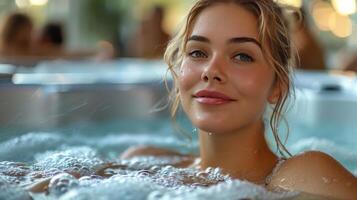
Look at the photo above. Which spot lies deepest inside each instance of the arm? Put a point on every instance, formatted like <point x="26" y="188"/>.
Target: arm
<point x="316" y="173"/>
<point x="186" y="161"/>
<point x="148" y="151"/>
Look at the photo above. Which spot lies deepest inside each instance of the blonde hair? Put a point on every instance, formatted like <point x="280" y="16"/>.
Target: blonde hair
<point x="275" y="39"/>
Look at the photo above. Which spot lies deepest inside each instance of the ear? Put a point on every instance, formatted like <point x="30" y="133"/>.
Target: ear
<point x="275" y="92"/>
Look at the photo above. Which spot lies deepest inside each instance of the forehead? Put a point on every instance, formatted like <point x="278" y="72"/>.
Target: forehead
<point x="226" y="20"/>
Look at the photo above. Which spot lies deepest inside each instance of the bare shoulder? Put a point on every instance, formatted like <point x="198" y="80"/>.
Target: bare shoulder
<point x="316" y="173"/>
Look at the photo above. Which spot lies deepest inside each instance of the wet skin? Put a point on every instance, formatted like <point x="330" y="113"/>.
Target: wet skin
<point x="225" y="85"/>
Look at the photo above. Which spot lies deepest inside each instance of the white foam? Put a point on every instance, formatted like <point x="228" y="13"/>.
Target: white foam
<point x="23" y="148"/>
<point x="41" y="155"/>
<point x="81" y="160"/>
<point x="169" y="186"/>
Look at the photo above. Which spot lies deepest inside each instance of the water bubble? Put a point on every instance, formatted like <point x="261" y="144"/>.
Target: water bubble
<point x="155" y="168"/>
<point x="195" y="185"/>
<point x="144" y="173"/>
<point x="90" y="180"/>
<point x="35" y="175"/>
<point x="156" y="180"/>
<point x="155" y="195"/>
<point x="81" y="160"/>
<point x="95" y="177"/>
<point x="61" y="183"/>
<point x="109" y="172"/>
<point x="85" y="178"/>
<point x="208" y="170"/>
<point x="142" y="178"/>
<point x="202" y="174"/>
<point x="15" y="169"/>
<point x="167" y="169"/>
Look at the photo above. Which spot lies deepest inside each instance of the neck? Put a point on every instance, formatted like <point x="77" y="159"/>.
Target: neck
<point x="243" y="154"/>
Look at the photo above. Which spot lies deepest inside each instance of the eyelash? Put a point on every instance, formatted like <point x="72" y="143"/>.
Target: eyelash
<point x="250" y="59"/>
<point x="203" y="55"/>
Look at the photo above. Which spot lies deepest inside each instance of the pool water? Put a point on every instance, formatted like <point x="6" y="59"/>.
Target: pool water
<point x="83" y="150"/>
<point x="75" y="133"/>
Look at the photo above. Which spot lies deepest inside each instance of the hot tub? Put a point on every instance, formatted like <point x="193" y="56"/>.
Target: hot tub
<point x="74" y="116"/>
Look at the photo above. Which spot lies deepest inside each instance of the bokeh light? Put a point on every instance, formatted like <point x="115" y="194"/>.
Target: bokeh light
<point x="22" y="3"/>
<point x="340" y="25"/>
<point x="38" y="2"/>
<point x="294" y="3"/>
<point x="344" y="7"/>
<point x="328" y="19"/>
<point x="321" y="13"/>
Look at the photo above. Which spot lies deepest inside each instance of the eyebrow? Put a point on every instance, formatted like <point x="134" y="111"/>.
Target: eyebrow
<point x="232" y="40"/>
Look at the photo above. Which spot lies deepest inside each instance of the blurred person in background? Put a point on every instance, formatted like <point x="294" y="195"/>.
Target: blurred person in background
<point x="51" y="44"/>
<point x="16" y="36"/>
<point x="51" y="39"/>
<point x="150" y="39"/>
<point x="19" y="47"/>
<point x="310" y="52"/>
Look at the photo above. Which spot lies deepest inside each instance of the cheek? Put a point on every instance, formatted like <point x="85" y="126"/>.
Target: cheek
<point x="188" y="77"/>
<point x="255" y="85"/>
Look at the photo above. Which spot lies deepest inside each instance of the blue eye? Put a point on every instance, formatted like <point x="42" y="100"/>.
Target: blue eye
<point x="243" y="57"/>
<point x="197" y="54"/>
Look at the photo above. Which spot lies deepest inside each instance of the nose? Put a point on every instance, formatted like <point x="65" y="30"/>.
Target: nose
<point x="214" y="70"/>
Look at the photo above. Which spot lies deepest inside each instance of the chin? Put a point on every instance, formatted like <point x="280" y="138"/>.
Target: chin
<point x="213" y="126"/>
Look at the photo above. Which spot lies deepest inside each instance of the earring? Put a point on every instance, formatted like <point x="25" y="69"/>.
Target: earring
<point x="194" y="130"/>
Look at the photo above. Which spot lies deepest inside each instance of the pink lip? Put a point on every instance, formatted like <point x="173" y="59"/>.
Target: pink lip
<point x="212" y="97"/>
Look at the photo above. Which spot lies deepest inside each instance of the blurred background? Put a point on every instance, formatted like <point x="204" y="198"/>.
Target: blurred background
<point x="96" y="62"/>
<point x="141" y="28"/>
<point x="90" y="26"/>
<point x="87" y="75"/>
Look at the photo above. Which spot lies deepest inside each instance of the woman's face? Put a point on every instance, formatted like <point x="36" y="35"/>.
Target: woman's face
<point x="225" y="81"/>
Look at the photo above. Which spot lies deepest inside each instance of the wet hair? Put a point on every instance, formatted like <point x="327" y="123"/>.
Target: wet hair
<point x="277" y="49"/>
<point x="12" y="25"/>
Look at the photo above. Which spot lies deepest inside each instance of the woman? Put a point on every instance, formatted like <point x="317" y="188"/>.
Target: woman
<point x="16" y="36"/>
<point x="17" y="45"/>
<point x="229" y="62"/>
